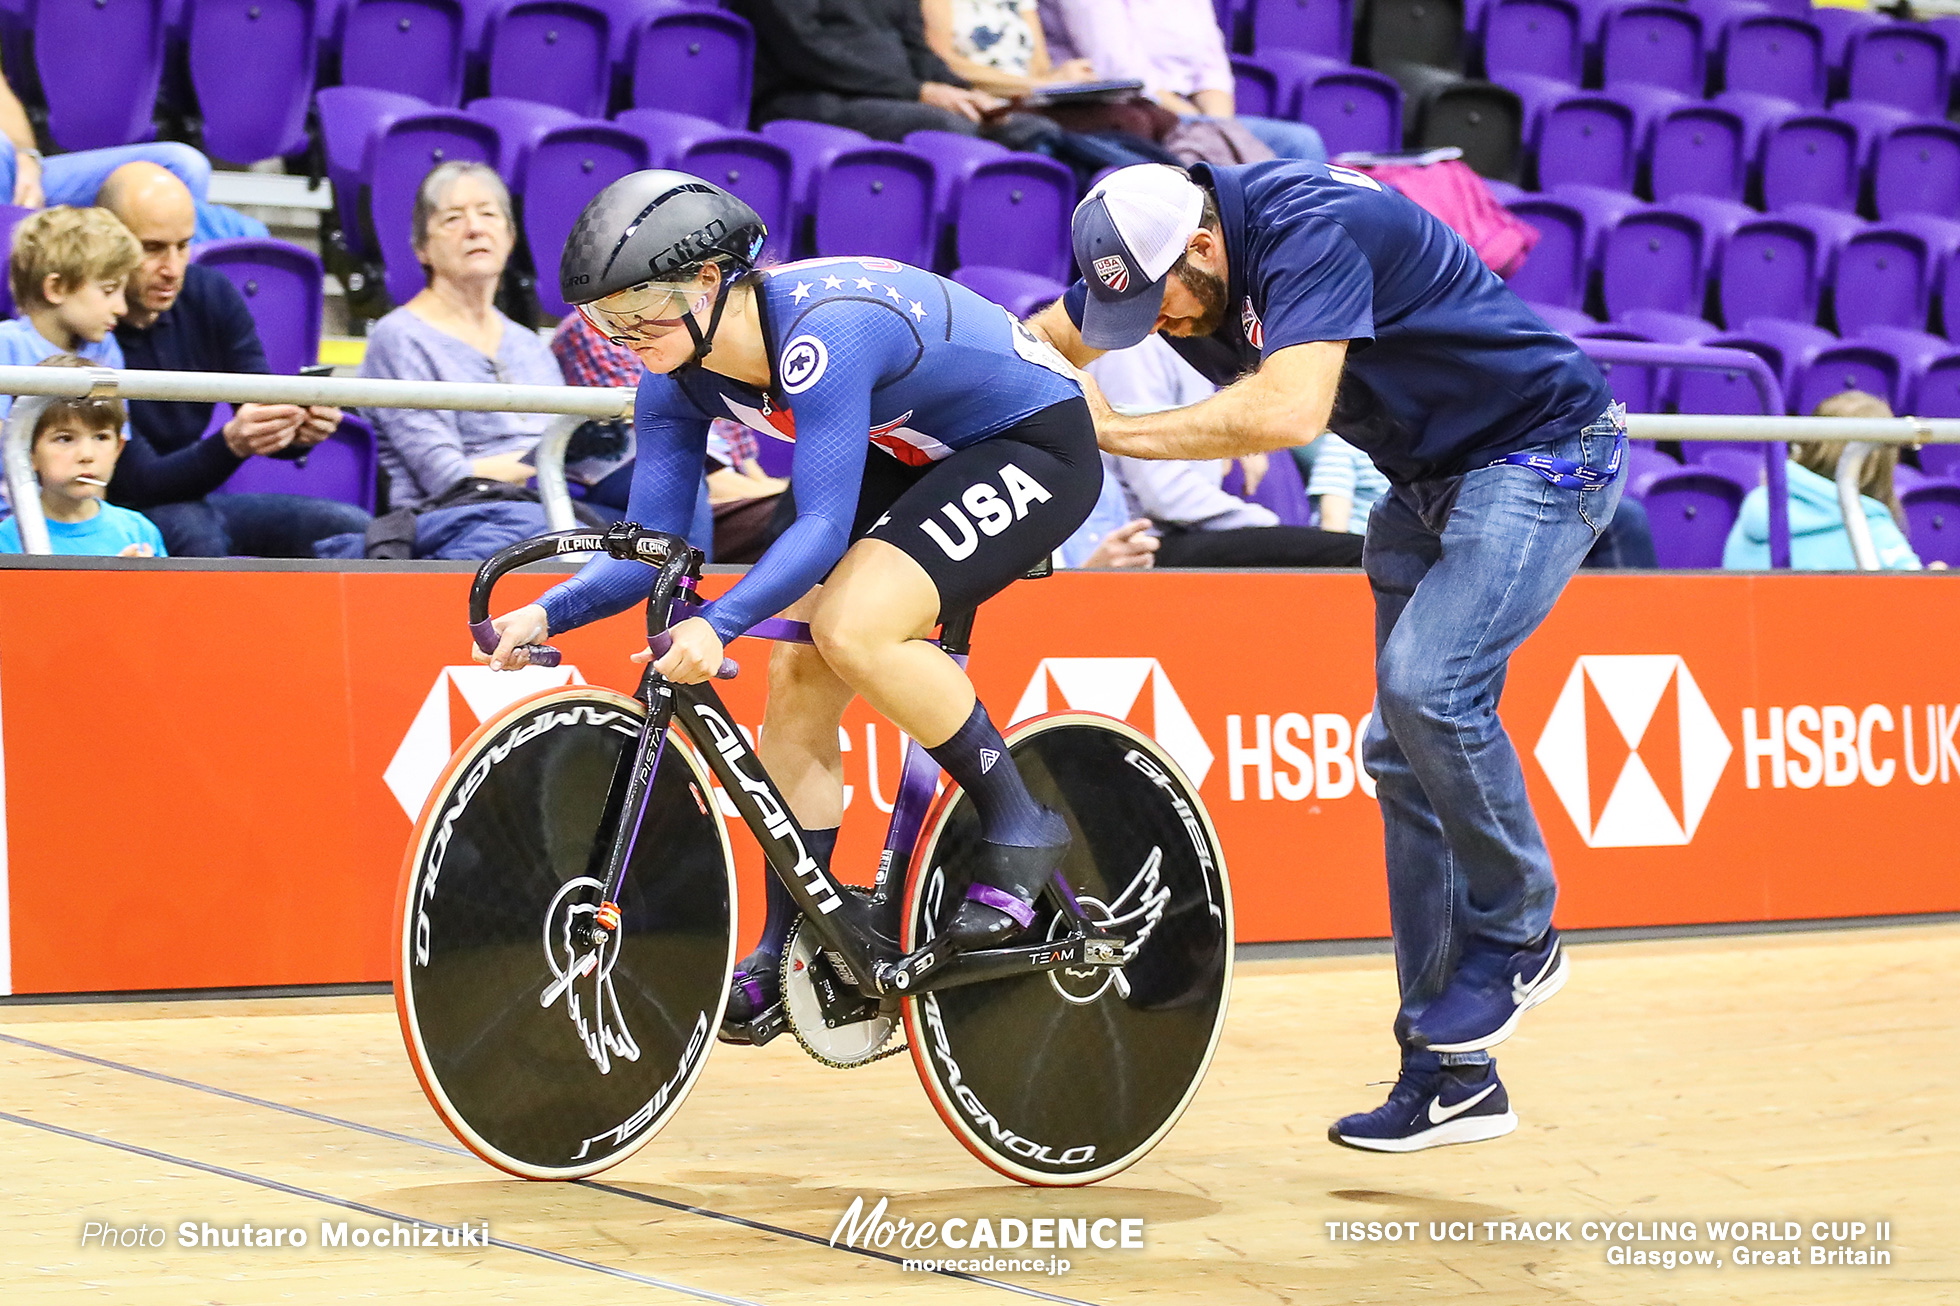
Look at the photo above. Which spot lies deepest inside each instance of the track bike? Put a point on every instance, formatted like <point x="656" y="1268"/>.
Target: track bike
<point x="566" y="923"/>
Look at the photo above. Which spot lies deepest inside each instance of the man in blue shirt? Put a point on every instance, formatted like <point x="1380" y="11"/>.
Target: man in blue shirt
<point x="1320" y="299"/>
<point x="186" y="318"/>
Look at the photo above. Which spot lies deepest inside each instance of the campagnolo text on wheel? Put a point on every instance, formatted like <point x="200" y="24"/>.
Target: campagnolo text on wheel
<point x="1054" y="934"/>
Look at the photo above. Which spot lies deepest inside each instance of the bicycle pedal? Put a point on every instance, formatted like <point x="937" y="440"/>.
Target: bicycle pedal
<point x="758" y="1031"/>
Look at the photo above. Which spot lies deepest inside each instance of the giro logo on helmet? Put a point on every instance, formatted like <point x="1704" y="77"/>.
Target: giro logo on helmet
<point x="803" y="364"/>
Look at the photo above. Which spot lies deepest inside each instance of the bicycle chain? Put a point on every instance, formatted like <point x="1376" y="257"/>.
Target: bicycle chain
<point x="782" y="980"/>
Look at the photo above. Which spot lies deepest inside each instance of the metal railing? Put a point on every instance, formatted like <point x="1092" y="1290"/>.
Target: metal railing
<point x="36" y="385"/>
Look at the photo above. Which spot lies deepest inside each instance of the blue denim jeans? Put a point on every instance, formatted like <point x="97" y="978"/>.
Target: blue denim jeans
<point x="1463" y="569"/>
<point x="252" y="525"/>
<point x="1289" y="140"/>
<point x="75" y="178"/>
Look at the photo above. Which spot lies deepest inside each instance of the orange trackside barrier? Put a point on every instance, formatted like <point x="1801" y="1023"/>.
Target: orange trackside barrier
<point x="209" y="774"/>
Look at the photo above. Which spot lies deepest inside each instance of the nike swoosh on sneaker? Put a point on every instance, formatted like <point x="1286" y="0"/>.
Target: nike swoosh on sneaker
<point x="1520" y="991"/>
<point x="1439" y="1114"/>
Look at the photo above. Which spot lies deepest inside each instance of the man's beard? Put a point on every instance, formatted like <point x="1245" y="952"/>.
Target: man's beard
<point x="1209" y="292"/>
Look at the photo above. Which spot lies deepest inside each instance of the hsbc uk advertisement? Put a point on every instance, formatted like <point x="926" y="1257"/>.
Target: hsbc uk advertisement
<point x="1698" y="748"/>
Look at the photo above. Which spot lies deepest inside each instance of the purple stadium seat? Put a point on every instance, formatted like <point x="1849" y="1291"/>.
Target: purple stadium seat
<point x="107" y="97"/>
<point x="1256" y="87"/>
<point x="1014" y="212"/>
<point x="1645" y="464"/>
<point x="411" y="46"/>
<point x="877" y="200"/>
<point x="1700" y="149"/>
<point x="403" y="156"/>
<point x="812" y="145"/>
<point x="1874" y="122"/>
<point x="1667" y="328"/>
<point x="1655" y="44"/>
<point x="1933" y="520"/>
<point x="1322" y="27"/>
<point x="569" y="165"/>
<point x="1586" y="138"/>
<point x="1920" y="356"/>
<point x="1948" y="26"/>
<point x="1772" y="55"/>
<point x="520" y="125"/>
<point x="1741" y="462"/>
<point x="754" y="168"/>
<point x="1884" y="277"/>
<point x="698" y="61"/>
<point x="1718" y="14"/>
<point x="1838" y="26"/>
<point x="1636" y="385"/>
<point x="954" y="157"/>
<point x="340" y="467"/>
<point x="668" y="134"/>
<point x="1504" y="192"/>
<point x="1905" y="477"/>
<point x="1351" y="108"/>
<point x="1655" y="258"/>
<point x="1540" y="38"/>
<point x="1916" y="169"/>
<point x="251" y="63"/>
<point x="1020" y="293"/>
<point x="1719" y="219"/>
<point x="1565" y="321"/>
<point x="1903" y="64"/>
<point x="1723" y="392"/>
<point x="1811" y="159"/>
<point x="1852" y="365"/>
<point x="352" y="119"/>
<point x="10" y="216"/>
<point x="552" y="51"/>
<point x="1788" y="347"/>
<point x="1555" y="273"/>
<point x="1758" y="114"/>
<point x="283" y="286"/>
<point x="1692" y="512"/>
<point x="1773" y="267"/>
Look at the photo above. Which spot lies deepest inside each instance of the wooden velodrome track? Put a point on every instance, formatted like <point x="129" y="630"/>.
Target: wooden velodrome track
<point x="1803" y="1076"/>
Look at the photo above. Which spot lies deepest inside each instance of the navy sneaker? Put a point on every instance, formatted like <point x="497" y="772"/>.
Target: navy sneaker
<point x="1429" y="1108"/>
<point x="1492" y="987"/>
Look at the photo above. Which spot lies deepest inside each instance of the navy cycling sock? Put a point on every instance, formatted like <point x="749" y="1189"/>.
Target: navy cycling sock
<point x="976" y="757"/>
<point x="781" y="907"/>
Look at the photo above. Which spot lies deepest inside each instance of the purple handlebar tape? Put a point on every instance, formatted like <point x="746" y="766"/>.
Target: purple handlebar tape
<point x="541" y="655"/>
<point x="988" y="896"/>
<point x="660" y="643"/>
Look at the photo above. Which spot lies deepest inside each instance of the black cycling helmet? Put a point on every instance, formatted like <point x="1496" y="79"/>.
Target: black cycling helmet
<point x="647" y="233"/>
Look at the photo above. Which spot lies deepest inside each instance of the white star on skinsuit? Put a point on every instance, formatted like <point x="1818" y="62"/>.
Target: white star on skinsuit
<point x="918" y="310"/>
<point x="863" y="284"/>
<point x="831" y="283"/>
<point x="801" y="293"/>
<point x="893" y="292"/>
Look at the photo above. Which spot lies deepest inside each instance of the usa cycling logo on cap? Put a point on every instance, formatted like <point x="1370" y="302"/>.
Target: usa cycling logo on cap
<point x="1115" y="273"/>
<point x="803" y="363"/>
<point x="1255" y="330"/>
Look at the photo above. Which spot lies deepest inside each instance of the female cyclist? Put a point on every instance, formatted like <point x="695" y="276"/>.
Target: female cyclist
<point x="941" y="451"/>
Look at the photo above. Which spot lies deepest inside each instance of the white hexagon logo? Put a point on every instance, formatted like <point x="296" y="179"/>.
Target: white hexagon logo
<point x="1114" y="687"/>
<point x="1633" y="751"/>
<point x="461" y="699"/>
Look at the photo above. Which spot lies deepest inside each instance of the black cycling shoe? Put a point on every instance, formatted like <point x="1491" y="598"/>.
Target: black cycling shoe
<point x="1000" y="901"/>
<point x="754" y="988"/>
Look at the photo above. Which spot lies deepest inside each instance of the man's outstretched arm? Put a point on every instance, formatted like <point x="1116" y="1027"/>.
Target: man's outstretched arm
<point x="1286" y="402"/>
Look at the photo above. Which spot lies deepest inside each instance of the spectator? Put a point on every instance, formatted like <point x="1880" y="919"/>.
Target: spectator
<point x="997" y="45"/>
<point x="67" y="270"/>
<point x="76" y="443"/>
<point x="744" y="501"/>
<point x="1175" y="49"/>
<point x="451" y="331"/>
<point x="183" y="318"/>
<point x="1818" y="539"/>
<point x="1202" y="525"/>
<point x="863" y="64"/>
<point x="1344" y="485"/>
<point x="75" y="179"/>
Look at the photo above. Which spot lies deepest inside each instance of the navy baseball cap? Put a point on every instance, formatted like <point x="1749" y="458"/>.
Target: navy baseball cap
<point x="1128" y="233"/>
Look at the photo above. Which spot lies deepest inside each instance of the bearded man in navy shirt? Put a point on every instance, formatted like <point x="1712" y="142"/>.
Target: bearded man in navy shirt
<point x="1319" y="299"/>
<point x="186" y="318"/>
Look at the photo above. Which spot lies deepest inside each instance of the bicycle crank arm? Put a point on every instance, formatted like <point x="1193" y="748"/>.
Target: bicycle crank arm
<point x="939" y="966"/>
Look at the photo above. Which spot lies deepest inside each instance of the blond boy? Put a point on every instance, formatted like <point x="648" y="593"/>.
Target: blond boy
<point x="67" y="269"/>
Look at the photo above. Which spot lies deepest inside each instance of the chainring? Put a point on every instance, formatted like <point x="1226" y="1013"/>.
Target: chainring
<point x="841" y="1047"/>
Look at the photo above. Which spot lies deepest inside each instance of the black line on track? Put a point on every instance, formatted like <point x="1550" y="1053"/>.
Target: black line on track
<point x="594" y="1184"/>
<point x="223" y="1172"/>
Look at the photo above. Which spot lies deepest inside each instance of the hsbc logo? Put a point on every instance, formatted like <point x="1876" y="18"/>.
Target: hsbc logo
<point x="1633" y="751"/>
<point x="1117" y="687"/>
<point x="461" y="699"/>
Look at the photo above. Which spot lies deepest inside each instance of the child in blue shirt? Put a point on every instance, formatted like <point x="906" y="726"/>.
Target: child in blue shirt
<point x="76" y="444"/>
<point x="67" y="268"/>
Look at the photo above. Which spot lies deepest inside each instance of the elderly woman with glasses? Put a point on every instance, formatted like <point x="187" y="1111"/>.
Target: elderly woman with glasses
<point x="452" y="331"/>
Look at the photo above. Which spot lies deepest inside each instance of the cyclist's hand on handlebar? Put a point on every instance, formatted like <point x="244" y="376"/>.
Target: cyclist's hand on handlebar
<point x="695" y="655"/>
<point x="527" y="625"/>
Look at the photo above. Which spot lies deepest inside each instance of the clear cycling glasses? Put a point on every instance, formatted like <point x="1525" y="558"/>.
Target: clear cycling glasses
<point x="644" y="312"/>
